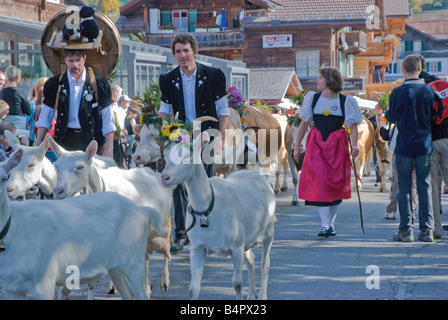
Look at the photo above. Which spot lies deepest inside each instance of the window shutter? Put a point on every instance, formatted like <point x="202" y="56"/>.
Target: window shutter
<point x="439" y="66"/>
<point x="165" y="17"/>
<point x="192" y="19"/>
<point x="423" y="45"/>
<point x="428" y="67"/>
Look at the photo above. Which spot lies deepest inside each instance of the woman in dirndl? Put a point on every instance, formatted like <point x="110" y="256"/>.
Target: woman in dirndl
<point x="326" y="170"/>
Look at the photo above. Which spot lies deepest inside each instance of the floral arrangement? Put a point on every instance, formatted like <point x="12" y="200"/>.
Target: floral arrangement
<point x="201" y="25"/>
<point x="235" y="98"/>
<point x="293" y="117"/>
<point x="167" y="27"/>
<point x="383" y="101"/>
<point x="149" y="103"/>
<point x="175" y="130"/>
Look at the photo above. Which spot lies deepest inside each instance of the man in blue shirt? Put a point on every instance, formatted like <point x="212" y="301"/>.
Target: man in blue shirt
<point x="410" y="107"/>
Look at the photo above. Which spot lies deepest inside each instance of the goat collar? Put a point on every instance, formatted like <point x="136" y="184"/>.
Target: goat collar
<point x="204" y="220"/>
<point x="4" y="232"/>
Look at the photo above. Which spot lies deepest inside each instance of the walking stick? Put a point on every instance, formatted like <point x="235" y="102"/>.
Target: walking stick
<point x="356" y="179"/>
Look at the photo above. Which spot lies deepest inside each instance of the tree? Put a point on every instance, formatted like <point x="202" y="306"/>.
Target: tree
<point x="108" y="7"/>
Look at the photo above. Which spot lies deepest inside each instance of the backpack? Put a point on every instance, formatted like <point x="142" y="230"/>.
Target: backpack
<point x="440" y="116"/>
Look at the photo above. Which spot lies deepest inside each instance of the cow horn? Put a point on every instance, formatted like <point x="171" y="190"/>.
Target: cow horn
<point x="205" y="118"/>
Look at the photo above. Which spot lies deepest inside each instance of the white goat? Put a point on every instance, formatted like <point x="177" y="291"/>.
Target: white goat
<point x="34" y="168"/>
<point x="242" y="215"/>
<point x="148" y="150"/>
<point x="96" y="234"/>
<point x="141" y="185"/>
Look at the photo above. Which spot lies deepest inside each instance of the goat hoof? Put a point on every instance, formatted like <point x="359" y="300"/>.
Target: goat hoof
<point x="294" y="203"/>
<point x="284" y="189"/>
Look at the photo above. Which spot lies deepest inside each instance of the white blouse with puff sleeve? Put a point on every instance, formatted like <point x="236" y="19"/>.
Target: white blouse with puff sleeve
<point x="352" y="111"/>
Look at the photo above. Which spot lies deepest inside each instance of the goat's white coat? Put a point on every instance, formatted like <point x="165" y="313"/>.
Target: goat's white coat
<point x="34" y="168"/>
<point x="99" y="233"/>
<point x="243" y="216"/>
<point x="141" y="185"/>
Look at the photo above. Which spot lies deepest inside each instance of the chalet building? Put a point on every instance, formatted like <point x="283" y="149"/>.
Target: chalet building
<point x="356" y="36"/>
<point x="307" y="34"/>
<point x="23" y="21"/>
<point x="216" y="24"/>
<point x="426" y="34"/>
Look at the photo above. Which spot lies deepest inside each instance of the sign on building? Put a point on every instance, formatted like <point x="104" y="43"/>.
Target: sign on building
<point x="277" y="41"/>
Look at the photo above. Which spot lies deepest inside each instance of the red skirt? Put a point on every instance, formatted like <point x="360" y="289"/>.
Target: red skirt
<point x="326" y="174"/>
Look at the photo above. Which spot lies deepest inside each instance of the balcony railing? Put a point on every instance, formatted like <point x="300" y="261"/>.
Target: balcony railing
<point x="228" y="38"/>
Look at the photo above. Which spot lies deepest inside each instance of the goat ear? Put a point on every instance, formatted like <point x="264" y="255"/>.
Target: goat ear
<point x="43" y="147"/>
<point x="91" y="150"/>
<point x="13" y="141"/>
<point x="137" y="128"/>
<point x="57" y="149"/>
<point x="14" y="160"/>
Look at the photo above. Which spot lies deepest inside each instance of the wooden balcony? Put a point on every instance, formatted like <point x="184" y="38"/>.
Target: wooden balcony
<point x="219" y="39"/>
<point x="380" y="53"/>
<point x="353" y="42"/>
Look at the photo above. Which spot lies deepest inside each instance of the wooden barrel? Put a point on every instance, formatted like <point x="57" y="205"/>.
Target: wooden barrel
<point x="103" y="55"/>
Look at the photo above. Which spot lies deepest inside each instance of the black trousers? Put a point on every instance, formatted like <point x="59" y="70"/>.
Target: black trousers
<point x="72" y="140"/>
<point x="180" y="202"/>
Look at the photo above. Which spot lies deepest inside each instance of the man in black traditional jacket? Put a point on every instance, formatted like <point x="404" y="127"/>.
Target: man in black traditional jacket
<point x="192" y="90"/>
<point x="83" y="115"/>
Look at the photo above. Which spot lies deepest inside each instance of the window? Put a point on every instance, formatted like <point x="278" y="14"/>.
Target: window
<point x="145" y="75"/>
<point x="417" y="46"/>
<point x="240" y="82"/>
<point x="434" y="66"/>
<point x="180" y="20"/>
<point x="307" y="63"/>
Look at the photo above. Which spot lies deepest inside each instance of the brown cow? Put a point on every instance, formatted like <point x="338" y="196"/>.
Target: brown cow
<point x="365" y="142"/>
<point x="267" y="131"/>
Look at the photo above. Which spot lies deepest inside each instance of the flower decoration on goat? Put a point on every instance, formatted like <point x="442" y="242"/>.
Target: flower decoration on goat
<point x="175" y="130"/>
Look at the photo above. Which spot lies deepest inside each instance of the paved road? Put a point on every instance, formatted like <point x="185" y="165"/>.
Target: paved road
<point x="304" y="266"/>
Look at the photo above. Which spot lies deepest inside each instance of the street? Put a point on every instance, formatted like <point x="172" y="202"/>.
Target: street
<point x="348" y="266"/>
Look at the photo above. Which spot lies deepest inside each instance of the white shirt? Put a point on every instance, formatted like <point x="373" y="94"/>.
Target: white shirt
<point x="189" y="91"/>
<point x="352" y="111"/>
<point x="47" y="114"/>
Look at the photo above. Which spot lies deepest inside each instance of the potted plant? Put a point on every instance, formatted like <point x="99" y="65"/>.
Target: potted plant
<point x="214" y="28"/>
<point x="167" y="28"/>
<point x="201" y="27"/>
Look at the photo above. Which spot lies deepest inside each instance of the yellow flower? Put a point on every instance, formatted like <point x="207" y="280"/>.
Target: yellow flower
<point x="171" y="130"/>
<point x="326" y="113"/>
<point x="141" y="118"/>
<point x="175" y="135"/>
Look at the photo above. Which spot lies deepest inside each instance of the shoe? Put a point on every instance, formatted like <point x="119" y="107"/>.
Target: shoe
<point x="437" y="235"/>
<point x="426" y="236"/>
<point x="407" y="236"/>
<point x="324" y="232"/>
<point x="445" y="227"/>
<point x="390" y="215"/>
<point x="332" y="231"/>
<point x="178" y="245"/>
